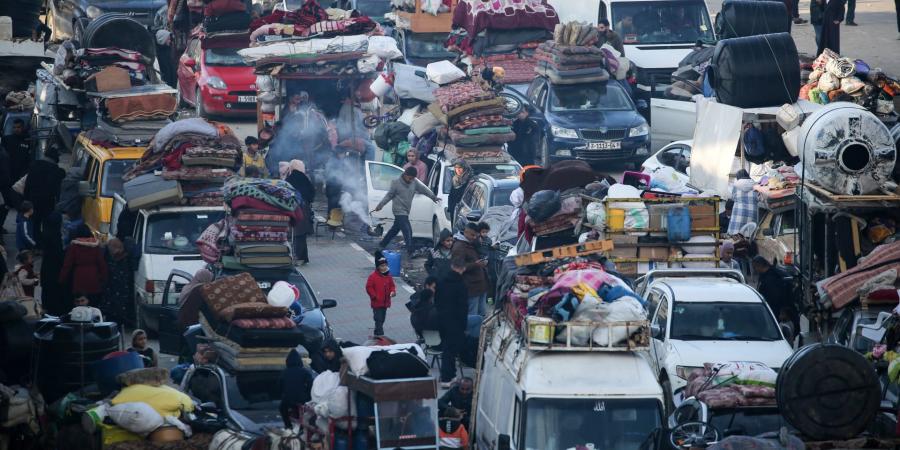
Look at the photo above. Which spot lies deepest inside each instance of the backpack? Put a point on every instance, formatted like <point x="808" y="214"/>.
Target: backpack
<point x="389" y="134"/>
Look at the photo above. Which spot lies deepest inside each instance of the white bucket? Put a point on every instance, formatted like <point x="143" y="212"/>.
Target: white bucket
<point x="381" y="85"/>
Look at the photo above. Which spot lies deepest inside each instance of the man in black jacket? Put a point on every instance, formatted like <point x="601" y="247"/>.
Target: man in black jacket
<point x="452" y="307"/>
<point x="42" y="187"/>
<point x="776" y="290"/>
<point x="296" y="386"/>
<point x="459" y="397"/>
<point x="18" y="147"/>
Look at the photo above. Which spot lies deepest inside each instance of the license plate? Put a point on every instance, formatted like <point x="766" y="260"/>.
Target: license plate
<point x="604" y="145"/>
<point x="246" y="98"/>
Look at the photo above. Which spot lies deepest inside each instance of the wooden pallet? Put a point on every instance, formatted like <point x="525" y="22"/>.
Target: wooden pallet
<point x="819" y="191"/>
<point x="423" y="22"/>
<point x="565" y="251"/>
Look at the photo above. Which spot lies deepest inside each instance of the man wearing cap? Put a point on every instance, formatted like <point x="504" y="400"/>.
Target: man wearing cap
<point x="402" y="192"/>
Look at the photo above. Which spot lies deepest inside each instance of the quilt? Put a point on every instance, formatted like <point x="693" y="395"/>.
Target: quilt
<point x="479" y="15"/>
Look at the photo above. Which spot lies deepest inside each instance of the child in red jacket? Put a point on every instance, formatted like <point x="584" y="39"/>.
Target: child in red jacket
<point x="380" y="287"/>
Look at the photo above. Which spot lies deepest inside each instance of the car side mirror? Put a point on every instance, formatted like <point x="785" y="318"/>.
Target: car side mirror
<point x="656" y="332"/>
<point x="768" y="232"/>
<point x="85" y="189"/>
<point x="503" y="442"/>
<point x="329" y="303"/>
<point x="190" y="63"/>
<point x="474" y="215"/>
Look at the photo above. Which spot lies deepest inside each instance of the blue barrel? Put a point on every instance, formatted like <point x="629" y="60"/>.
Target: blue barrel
<point x="393" y="260"/>
<point x="106" y="370"/>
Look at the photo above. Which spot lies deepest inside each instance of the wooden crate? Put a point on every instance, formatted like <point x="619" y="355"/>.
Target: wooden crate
<point x="565" y="251"/>
<point x="423" y="22"/>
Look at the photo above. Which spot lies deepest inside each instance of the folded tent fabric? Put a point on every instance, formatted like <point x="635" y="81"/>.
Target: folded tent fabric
<point x="185" y="127"/>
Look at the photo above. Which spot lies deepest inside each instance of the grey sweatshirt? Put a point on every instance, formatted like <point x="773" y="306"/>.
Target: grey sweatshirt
<point x="402" y="194"/>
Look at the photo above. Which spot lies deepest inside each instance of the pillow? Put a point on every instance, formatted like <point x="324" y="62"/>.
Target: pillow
<point x="273" y="323"/>
<point x="252" y="311"/>
<point x="233" y="290"/>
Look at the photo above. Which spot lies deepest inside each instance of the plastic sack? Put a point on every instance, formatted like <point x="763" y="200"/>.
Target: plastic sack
<point x="816" y="74"/>
<point x="265" y="83"/>
<point x="746" y="373"/>
<point x="636" y="214"/>
<point x="443" y="72"/>
<point x="626" y="309"/>
<point x="852" y="85"/>
<point x="136" y="417"/>
<point x="828" y="82"/>
<point x="841" y="67"/>
<point x="165" y="400"/>
<point x="283" y="294"/>
<point x="543" y="205"/>
<point x="596" y="214"/>
<point x="368" y="64"/>
<point x="323" y="385"/>
<point x="669" y="180"/>
<point x="356" y="359"/>
<point x="385" y="47"/>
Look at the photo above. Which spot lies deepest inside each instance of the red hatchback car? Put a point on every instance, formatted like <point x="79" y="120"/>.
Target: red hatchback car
<point x="215" y="80"/>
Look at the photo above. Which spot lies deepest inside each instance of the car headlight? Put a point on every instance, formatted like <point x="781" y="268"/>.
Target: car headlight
<point x="684" y="372"/>
<point x="640" y="130"/>
<point x="216" y="83"/>
<point x="563" y="132"/>
<point x="93" y="12"/>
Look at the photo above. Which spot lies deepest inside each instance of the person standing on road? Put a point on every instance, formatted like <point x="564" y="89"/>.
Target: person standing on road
<point x="118" y="296"/>
<point x="401" y="192"/>
<point x="84" y="268"/>
<point x="465" y="251"/>
<point x="775" y="290"/>
<point x="831" y="27"/>
<point x="54" y="298"/>
<point x="301" y="183"/>
<point x="438" y="263"/>
<point x="18" y="147"/>
<point x="381" y="289"/>
<point x="851" y="14"/>
<point x="42" y="187"/>
<point x="449" y="300"/>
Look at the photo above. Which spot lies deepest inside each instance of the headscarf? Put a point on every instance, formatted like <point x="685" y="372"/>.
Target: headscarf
<point x="116" y="249"/>
<point x="462" y="180"/>
<point x="298" y="165"/>
<point x="516" y="198"/>
<point x="727" y="244"/>
<point x="200" y="277"/>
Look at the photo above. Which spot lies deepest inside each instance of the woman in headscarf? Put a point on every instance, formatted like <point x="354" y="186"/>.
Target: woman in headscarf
<point x="328" y="357"/>
<point x="84" y="267"/>
<point x="296" y="176"/>
<point x="462" y="176"/>
<point x="118" y="296"/>
<point x="516" y="199"/>
<point x="53" y="297"/>
<point x="745" y="209"/>
<point x="191" y="298"/>
<point x="438" y="262"/>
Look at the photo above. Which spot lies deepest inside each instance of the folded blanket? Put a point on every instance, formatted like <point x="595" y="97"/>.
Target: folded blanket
<point x="197" y="173"/>
<point x="458" y="94"/>
<point x="243" y="202"/>
<point x="470" y="107"/>
<point x="557" y="48"/>
<point x="572" y="71"/>
<point x="461" y="139"/>
<point x="487" y="130"/>
<point x="490" y="120"/>
<point x="556" y="78"/>
<point x="208" y="161"/>
<point x="270" y="323"/>
<point x="261" y="216"/>
<point x="259" y="236"/>
<point x="277" y="193"/>
<point x="557" y="59"/>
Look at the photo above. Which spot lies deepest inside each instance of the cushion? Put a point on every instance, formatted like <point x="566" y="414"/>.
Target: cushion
<point x="253" y="310"/>
<point x="270" y="323"/>
<point x="233" y="290"/>
<point x="165" y="400"/>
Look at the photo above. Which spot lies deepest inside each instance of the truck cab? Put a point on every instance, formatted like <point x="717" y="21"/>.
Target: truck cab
<point x="532" y="399"/>
<point x="103" y="168"/>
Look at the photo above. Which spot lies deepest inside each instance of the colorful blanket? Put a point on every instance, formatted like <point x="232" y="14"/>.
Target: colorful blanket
<point x="462" y="139"/>
<point x="490" y="120"/>
<point x="277" y="193"/>
<point x="197" y="173"/>
<point x="479" y="15"/>
<point x="840" y="289"/>
<point x="458" y="94"/>
<point x="259" y="236"/>
<point x="277" y="323"/>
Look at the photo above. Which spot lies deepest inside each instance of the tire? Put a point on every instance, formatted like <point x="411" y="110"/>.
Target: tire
<point x="371" y="122"/>
<point x="198" y="105"/>
<point x="512" y="105"/>
<point x="545" y="154"/>
<point x="668" y="402"/>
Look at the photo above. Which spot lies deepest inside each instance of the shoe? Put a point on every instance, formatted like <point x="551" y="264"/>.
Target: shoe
<point x="800" y="21"/>
<point x="852" y="24"/>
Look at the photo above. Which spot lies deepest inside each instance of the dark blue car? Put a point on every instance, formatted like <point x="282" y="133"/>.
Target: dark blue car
<point x="594" y="122"/>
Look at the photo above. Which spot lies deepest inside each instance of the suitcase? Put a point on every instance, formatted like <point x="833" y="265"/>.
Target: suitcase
<point x="149" y="190"/>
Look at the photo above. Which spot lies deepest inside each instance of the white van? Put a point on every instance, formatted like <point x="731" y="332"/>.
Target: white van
<point x="166" y="238"/>
<point x="559" y="398"/>
<point x="657" y="34"/>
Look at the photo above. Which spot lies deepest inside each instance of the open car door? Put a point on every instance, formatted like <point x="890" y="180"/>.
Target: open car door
<point x="170" y="331"/>
<point x="379" y="176"/>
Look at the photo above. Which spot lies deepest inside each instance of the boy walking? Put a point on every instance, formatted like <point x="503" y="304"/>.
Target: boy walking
<point x="25" y="227"/>
<point x="380" y="287"/>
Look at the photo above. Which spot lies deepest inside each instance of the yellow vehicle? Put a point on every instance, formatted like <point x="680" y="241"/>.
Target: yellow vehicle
<point x="102" y="169"/>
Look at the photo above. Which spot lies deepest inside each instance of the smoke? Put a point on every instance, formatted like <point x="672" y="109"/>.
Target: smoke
<point x="350" y="204"/>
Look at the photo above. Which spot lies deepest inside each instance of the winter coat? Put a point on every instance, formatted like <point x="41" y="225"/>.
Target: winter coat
<point x="24" y="233"/>
<point x="454" y="399"/>
<point x="475" y="276"/>
<point x="296" y="380"/>
<point x="84" y="267"/>
<point x="43" y="183"/>
<point x="320" y="364"/>
<point x="380" y="286"/>
<point x="451" y="303"/>
<point x="817" y="12"/>
<point x="438" y="262"/>
<point x="402" y="194"/>
<point x="27" y="278"/>
<point x="302" y="184"/>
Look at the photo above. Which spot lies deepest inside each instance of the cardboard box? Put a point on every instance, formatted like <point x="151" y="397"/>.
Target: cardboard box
<point x="624" y="251"/>
<point x="624" y="239"/>
<point x="703" y="215"/>
<point x="656" y="253"/>
<point x="627" y="268"/>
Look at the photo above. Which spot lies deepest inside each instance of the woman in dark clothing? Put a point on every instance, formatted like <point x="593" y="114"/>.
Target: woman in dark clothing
<point x="328" y="358"/>
<point x="304" y="186"/>
<point x="296" y="387"/>
<point x="438" y="262"/>
<point x="84" y="267"/>
<point x="118" y="297"/>
<point x="54" y="298"/>
<point x="831" y="27"/>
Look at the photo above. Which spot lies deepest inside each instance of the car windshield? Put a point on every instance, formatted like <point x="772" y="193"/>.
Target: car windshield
<point x="257" y="391"/>
<point x="175" y="233"/>
<point x="112" y="176"/>
<point x="748" y="422"/>
<point x="224" y="57"/>
<point x="609" y="424"/>
<point x="500" y="197"/>
<point x="589" y="97"/>
<point x="698" y="321"/>
<point x="427" y="45"/>
<point x="497" y="170"/>
<point x="661" y="22"/>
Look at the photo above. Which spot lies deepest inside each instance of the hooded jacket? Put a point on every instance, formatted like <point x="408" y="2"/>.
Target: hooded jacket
<point x="296" y="380"/>
<point x="450" y="303"/>
<point x="320" y="364"/>
<point x="379" y="286"/>
<point x="474" y="276"/>
<point x="24" y="233"/>
<point x="438" y="262"/>
<point x="84" y="267"/>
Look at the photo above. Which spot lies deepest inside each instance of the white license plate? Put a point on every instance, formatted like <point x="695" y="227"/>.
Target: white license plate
<point x="247" y="98"/>
<point x="604" y="145"/>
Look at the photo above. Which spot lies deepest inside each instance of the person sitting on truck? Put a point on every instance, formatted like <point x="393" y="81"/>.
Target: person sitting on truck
<point x="458" y="397"/>
<point x="608" y="36"/>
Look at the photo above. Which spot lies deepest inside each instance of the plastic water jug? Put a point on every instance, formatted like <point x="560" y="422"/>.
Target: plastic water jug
<point x="678" y="224"/>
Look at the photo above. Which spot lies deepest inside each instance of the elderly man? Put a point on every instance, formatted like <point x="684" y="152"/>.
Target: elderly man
<point x="402" y="191"/>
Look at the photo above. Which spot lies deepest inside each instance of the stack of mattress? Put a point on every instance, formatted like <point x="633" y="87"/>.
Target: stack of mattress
<point x="571" y="64"/>
<point x="474" y="116"/>
<point x="186" y="163"/>
<point x="246" y="332"/>
<point x="259" y="228"/>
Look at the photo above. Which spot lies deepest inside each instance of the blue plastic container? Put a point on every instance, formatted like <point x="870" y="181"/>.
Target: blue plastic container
<point x="106" y="370"/>
<point x="678" y="224"/>
<point x="393" y="260"/>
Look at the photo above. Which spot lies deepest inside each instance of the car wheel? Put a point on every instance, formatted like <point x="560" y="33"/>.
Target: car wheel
<point x="545" y="154"/>
<point x="435" y="232"/>
<point x="198" y="103"/>
<point x="668" y="401"/>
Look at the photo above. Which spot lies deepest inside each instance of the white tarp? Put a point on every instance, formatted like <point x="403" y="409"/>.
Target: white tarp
<point x="340" y="44"/>
<point x="716" y="138"/>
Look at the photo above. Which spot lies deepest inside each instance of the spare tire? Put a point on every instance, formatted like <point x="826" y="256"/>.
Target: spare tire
<point x="756" y="71"/>
<point x="742" y="18"/>
<point x="119" y="30"/>
<point x="846" y="149"/>
<point x="828" y="391"/>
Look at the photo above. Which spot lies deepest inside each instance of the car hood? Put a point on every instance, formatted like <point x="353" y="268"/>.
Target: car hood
<point x="236" y="77"/>
<point x="594" y="119"/>
<point x="660" y="56"/>
<point x="697" y="353"/>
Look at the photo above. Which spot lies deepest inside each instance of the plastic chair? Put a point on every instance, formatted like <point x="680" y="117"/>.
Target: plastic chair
<point x="432" y="342"/>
